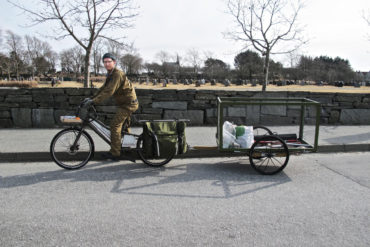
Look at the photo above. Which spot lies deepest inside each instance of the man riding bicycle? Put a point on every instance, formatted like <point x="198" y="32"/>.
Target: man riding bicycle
<point x="118" y="86"/>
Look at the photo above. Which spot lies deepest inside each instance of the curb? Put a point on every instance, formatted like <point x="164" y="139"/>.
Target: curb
<point x="45" y="156"/>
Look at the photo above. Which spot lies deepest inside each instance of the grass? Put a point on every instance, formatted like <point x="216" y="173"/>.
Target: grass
<point x="207" y="86"/>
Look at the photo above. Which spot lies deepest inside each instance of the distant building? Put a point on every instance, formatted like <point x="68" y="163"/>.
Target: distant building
<point x="363" y="76"/>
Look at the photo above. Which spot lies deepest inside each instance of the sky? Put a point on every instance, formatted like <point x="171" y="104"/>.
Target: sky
<point x="333" y="28"/>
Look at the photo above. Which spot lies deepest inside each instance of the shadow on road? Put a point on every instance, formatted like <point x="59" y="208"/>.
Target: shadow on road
<point x="230" y="178"/>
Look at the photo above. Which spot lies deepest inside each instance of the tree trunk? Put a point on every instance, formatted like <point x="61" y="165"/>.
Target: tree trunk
<point x="266" y="67"/>
<point x="87" y="69"/>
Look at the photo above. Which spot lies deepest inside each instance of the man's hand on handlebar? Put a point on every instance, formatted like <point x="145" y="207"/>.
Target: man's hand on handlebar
<point x="87" y="102"/>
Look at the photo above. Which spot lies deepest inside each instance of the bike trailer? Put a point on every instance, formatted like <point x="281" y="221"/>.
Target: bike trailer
<point x="161" y="138"/>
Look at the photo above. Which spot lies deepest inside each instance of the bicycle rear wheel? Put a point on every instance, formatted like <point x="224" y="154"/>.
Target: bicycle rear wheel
<point x="149" y="159"/>
<point x="68" y="156"/>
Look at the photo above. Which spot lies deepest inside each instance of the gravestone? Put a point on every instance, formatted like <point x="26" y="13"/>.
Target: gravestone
<point x="227" y="83"/>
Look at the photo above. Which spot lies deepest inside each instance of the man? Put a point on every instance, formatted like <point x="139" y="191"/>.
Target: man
<point x="118" y="86"/>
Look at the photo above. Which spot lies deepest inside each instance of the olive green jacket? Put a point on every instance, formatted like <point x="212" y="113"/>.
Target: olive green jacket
<point x="118" y="86"/>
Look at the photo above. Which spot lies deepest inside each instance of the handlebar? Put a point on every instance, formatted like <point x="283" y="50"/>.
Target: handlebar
<point x="91" y="111"/>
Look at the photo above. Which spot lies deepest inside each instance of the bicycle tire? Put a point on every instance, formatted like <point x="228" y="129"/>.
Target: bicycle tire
<point x="256" y="132"/>
<point x="271" y="149"/>
<point x="67" y="158"/>
<point x="156" y="162"/>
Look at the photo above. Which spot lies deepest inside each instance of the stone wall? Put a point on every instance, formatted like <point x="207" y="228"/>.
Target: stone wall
<point x="41" y="108"/>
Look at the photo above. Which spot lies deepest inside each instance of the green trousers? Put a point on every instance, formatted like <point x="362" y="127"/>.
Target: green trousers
<point x="116" y="127"/>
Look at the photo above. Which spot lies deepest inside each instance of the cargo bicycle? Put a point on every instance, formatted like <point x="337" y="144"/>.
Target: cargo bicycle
<point x="73" y="147"/>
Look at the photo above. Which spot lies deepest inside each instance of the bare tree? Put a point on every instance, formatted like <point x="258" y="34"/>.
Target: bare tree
<point x="72" y="60"/>
<point x="97" y="56"/>
<point x="84" y="21"/>
<point x="131" y="63"/>
<point x="1" y="38"/>
<point x="265" y="25"/>
<point x="163" y="57"/>
<point x="193" y="58"/>
<point x="15" y="47"/>
<point x="366" y="17"/>
<point x="40" y="55"/>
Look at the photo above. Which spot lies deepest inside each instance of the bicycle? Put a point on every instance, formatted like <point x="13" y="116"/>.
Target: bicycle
<point x="72" y="148"/>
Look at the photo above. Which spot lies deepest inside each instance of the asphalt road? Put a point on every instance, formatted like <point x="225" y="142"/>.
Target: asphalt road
<point x="318" y="200"/>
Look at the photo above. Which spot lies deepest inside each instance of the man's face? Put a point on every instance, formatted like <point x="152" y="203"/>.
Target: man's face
<point x="109" y="63"/>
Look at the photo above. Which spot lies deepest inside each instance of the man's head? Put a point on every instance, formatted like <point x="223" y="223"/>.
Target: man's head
<point x="109" y="61"/>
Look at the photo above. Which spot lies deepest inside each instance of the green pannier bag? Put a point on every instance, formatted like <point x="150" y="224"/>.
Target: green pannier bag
<point x="163" y="138"/>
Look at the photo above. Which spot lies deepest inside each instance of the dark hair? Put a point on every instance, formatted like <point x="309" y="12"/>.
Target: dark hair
<point x="109" y="55"/>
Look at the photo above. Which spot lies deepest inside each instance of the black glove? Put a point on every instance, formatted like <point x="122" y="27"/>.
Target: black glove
<point x="87" y="102"/>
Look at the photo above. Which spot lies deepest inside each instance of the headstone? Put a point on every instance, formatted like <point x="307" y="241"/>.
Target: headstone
<point x="198" y="83"/>
<point x="155" y="82"/>
<point x="227" y="83"/>
<point x="175" y="81"/>
<point x="213" y="82"/>
<point x="357" y="84"/>
<point x="202" y="82"/>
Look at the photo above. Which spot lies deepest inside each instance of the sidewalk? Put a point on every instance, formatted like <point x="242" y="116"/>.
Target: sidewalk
<point x="34" y="144"/>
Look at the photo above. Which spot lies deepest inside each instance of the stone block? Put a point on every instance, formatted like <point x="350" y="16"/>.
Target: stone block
<point x="152" y="111"/>
<point x="270" y="95"/>
<point x="60" y="98"/>
<point x="199" y="104"/>
<point x="366" y="100"/>
<point x="143" y="92"/>
<point x="211" y="121"/>
<point x="334" y="117"/>
<point x="196" y="117"/>
<point x="76" y="100"/>
<point x="211" y="96"/>
<point x="165" y="97"/>
<point x="171" y="105"/>
<point x="18" y="98"/>
<point x="185" y="96"/>
<point x="22" y="117"/>
<point x="276" y="110"/>
<point x="237" y="111"/>
<point x="77" y="92"/>
<point x="348" y="98"/>
<point x="355" y="116"/>
<point x="55" y="91"/>
<point x="212" y="112"/>
<point x="276" y="120"/>
<point x="6" y="123"/>
<point x="43" y="118"/>
<point x="2" y="98"/>
<point x="145" y="100"/>
<point x="4" y="114"/>
<point x="43" y="98"/>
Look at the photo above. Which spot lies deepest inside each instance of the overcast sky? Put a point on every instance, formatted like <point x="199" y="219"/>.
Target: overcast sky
<point x="333" y="27"/>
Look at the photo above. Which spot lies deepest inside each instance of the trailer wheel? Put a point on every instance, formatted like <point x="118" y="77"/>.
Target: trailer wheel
<point x="269" y="155"/>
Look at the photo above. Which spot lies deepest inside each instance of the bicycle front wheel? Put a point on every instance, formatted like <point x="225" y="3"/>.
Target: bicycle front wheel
<point x="149" y="159"/>
<point x="70" y="156"/>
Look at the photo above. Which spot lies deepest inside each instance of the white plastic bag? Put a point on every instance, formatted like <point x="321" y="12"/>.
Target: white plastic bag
<point x="228" y="134"/>
<point x="244" y="136"/>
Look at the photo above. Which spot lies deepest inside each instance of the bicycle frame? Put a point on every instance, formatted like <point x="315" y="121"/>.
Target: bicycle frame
<point x="99" y="128"/>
